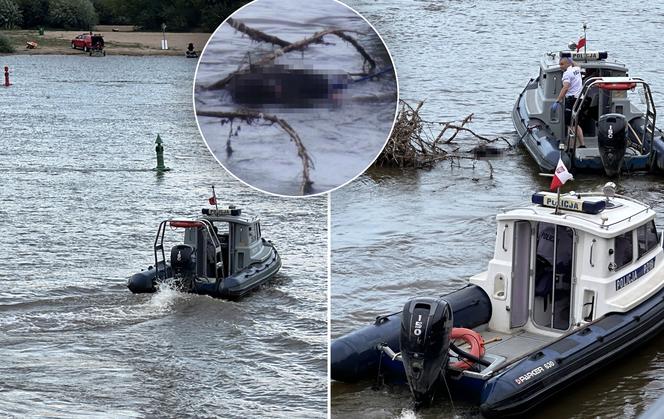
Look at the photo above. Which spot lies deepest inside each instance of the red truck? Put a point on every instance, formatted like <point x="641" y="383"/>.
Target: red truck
<point x="87" y="42"/>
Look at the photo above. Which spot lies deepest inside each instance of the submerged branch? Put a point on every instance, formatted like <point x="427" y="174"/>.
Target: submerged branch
<point x="251" y="116"/>
<point x="286" y="47"/>
<point x="255" y="34"/>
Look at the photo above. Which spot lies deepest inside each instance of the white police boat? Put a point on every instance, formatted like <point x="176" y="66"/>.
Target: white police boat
<point x="223" y="255"/>
<point x="576" y="281"/>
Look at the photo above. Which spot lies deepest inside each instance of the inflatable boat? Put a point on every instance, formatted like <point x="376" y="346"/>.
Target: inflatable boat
<point x="576" y="282"/>
<point x="223" y="255"/>
<point x="619" y="135"/>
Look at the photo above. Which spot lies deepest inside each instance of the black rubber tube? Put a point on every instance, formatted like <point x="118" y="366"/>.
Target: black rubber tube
<point x="468" y="356"/>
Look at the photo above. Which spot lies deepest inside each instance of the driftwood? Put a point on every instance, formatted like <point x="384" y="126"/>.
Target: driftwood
<point x="286" y="47"/>
<point x="412" y="143"/>
<point x="250" y="117"/>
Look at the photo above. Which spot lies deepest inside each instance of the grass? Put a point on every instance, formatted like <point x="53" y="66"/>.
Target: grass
<point x="6" y="45"/>
<point x="16" y="39"/>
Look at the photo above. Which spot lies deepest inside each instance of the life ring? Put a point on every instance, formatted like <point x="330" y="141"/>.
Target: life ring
<point x="475" y="341"/>
<point x="616" y="86"/>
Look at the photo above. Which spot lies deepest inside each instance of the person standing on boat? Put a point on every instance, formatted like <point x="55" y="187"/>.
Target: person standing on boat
<point x="572" y="84"/>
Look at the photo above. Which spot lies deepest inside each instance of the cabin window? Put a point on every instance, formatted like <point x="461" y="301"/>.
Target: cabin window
<point x="520" y="274"/>
<point x="553" y="276"/>
<point x="624" y="249"/>
<point x="253" y="233"/>
<point x="647" y="238"/>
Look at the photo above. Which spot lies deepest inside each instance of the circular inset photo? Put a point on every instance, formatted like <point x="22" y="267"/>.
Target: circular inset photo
<point x="295" y="97"/>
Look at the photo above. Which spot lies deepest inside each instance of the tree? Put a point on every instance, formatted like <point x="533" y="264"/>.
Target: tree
<point x="72" y="14"/>
<point x="34" y="12"/>
<point x="10" y="15"/>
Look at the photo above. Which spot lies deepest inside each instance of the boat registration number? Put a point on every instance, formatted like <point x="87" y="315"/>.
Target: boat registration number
<point x="535" y="372"/>
<point x="637" y="273"/>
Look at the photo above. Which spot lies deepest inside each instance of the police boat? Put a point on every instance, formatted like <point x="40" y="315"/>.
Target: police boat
<point x="619" y="134"/>
<point x="576" y="281"/>
<point x="223" y="256"/>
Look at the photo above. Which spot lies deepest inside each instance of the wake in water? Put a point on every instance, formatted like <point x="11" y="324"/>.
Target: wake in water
<point x="166" y="297"/>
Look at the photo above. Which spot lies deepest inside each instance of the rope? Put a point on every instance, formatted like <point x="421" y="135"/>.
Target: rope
<point x="370" y="76"/>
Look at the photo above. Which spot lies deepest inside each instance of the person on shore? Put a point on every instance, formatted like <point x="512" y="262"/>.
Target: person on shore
<point x="572" y="84"/>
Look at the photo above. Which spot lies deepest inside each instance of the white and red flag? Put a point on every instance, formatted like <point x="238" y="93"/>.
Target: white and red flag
<point x="560" y="176"/>
<point x="581" y="43"/>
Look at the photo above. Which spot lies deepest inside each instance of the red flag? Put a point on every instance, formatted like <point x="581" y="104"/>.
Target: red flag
<point x="212" y="200"/>
<point x="560" y="176"/>
<point x="581" y="43"/>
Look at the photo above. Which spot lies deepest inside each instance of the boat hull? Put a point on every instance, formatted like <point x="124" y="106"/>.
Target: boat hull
<point x="518" y="387"/>
<point x="232" y="287"/>
<point x="355" y="357"/>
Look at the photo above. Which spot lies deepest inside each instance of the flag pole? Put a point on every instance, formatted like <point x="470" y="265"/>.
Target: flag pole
<point x="214" y="196"/>
<point x="585" y="53"/>
<point x="561" y="147"/>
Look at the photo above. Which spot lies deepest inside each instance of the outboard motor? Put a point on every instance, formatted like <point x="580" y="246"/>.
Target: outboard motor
<point x="183" y="265"/>
<point x="612" y="142"/>
<point x="426" y="324"/>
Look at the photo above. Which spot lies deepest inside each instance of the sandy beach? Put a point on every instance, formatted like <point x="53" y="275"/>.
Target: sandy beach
<point x="122" y="42"/>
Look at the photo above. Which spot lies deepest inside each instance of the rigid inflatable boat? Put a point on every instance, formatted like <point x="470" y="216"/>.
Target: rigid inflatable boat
<point x="568" y="291"/>
<point x="619" y="135"/>
<point x="223" y="255"/>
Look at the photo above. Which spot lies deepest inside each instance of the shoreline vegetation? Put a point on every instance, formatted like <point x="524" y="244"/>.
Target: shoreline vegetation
<point x="120" y="42"/>
<point x="129" y="27"/>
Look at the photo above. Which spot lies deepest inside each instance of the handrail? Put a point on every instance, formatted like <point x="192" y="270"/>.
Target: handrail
<point x="200" y="223"/>
<point x="595" y="81"/>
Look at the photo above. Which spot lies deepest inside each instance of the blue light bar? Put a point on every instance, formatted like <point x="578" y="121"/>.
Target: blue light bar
<point x="568" y="203"/>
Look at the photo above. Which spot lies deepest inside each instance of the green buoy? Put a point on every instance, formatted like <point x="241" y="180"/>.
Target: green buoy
<point x="160" y="156"/>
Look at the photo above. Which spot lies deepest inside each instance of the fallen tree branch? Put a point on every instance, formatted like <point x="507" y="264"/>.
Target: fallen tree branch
<point x="250" y="116"/>
<point x="255" y="34"/>
<point x="412" y="143"/>
<point x="316" y="38"/>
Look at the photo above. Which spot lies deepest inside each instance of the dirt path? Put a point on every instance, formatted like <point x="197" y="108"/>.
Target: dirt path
<point x="117" y="43"/>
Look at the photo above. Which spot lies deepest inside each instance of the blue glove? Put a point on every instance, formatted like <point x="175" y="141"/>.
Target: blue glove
<point x="555" y="106"/>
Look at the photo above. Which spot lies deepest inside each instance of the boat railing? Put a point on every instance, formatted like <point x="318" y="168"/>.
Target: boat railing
<point x="160" y="263"/>
<point x="616" y="83"/>
<point x="602" y="224"/>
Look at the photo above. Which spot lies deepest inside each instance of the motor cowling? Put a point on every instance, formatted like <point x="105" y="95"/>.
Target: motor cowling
<point x="426" y="324"/>
<point x="612" y="142"/>
<point x="183" y="263"/>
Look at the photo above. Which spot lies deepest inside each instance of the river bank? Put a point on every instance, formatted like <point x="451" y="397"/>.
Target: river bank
<point x="117" y="43"/>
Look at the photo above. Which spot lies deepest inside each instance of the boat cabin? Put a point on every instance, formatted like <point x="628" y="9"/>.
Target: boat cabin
<point x="220" y="243"/>
<point x="549" y="83"/>
<point x="562" y="263"/>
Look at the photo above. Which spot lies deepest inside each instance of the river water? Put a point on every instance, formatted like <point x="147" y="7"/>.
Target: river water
<point x="342" y="137"/>
<point x="399" y="234"/>
<point x="80" y="206"/>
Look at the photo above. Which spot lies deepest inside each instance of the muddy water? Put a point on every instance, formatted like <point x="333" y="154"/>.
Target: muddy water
<point x="400" y="234"/>
<point x="80" y="205"/>
<point x="342" y="136"/>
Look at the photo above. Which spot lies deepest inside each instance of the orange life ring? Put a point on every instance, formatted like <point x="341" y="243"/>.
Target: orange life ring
<point x="475" y="341"/>
<point x="185" y="223"/>
<point x="616" y="86"/>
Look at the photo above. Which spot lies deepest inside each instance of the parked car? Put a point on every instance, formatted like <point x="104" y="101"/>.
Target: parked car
<point x="87" y="41"/>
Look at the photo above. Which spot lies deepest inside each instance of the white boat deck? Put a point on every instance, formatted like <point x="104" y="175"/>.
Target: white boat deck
<point x="511" y="346"/>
